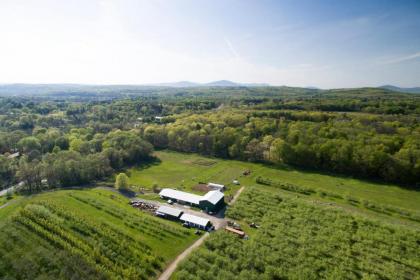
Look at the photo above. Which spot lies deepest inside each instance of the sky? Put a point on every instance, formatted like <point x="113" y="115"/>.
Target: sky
<point x="324" y="43"/>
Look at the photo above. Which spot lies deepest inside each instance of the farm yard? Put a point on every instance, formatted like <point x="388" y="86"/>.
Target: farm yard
<point x="86" y="234"/>
<point x="297" y="240"/>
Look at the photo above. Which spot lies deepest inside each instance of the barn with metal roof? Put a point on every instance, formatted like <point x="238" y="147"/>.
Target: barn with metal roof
<point x="168" y="212"/>
<point x="212" y="201"/>
<point x="196" y="221"/>
<point x="179" y="196"/>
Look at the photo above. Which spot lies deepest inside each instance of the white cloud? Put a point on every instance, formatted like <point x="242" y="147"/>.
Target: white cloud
<point x="401" y="58"/>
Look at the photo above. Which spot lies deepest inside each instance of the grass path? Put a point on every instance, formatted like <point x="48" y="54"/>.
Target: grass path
<point x="172" y="267"/>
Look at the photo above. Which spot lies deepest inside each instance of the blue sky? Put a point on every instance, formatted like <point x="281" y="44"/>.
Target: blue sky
<point x="298" y="43"/>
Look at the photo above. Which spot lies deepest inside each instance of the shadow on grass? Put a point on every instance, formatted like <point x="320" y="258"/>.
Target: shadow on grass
<point x="147" y="164"/>
<point x="127" y="193"/>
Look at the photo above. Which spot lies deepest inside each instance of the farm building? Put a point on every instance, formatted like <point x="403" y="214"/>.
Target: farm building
<point x="215" y="186"/>
<point x="169" y="212"/>
<point x="181" y="197"/>
<point x="210" y="202"/>
<point x="195" y="221"/>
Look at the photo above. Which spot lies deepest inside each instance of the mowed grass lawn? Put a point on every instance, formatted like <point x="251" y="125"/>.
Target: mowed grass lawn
<point x="87" y="234"/>
<point x="183" y="171"/>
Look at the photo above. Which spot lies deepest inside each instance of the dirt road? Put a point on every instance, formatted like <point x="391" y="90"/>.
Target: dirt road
<point x="172" y="267"/>
<point x="235" y="197"/>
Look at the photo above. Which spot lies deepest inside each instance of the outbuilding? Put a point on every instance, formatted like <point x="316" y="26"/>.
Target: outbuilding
<point x="169" y="212"/>
<point x="195" y="221"/>
<point x="215" y="186"/>
<point x="212" y="201"/>
<point x="180" y="197"/>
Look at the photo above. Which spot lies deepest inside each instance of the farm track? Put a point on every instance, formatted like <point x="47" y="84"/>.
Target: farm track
<point x="235" y="197"/>
<point x="172" y="267"/>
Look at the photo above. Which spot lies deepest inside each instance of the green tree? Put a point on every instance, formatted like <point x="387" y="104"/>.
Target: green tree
<point x="121" y="182"/>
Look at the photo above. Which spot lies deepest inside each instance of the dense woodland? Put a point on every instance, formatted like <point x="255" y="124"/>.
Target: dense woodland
<point x="68" y="138"/>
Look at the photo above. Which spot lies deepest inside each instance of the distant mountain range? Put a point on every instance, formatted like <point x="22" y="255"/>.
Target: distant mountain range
<point x="221" y="83"/>
<point x="81" y="90"/>
<point x="400" y="89"/>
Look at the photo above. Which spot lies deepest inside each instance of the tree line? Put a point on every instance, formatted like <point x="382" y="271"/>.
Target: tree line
<point x="362" y="146"/>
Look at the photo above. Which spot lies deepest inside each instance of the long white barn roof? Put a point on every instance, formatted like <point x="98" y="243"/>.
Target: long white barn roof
<point x="179" y="195"/>
<point x="194" y="219"/>
<point x="169" y="211"/>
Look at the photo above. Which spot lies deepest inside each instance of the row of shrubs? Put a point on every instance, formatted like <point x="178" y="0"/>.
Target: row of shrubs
<point x="384" y="209"/>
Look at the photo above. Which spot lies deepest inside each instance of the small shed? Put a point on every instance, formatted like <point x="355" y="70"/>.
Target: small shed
<point x="169" y="212"/>
<point x="215" y="186"/>
<point x="196" y="221"/>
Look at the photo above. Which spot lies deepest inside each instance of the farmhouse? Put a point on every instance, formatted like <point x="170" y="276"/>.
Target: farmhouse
<point x="195" y="221"/>
<point x="212" y="201"/>
<point x="215" y="186"/>
<point x="169" y="212"/>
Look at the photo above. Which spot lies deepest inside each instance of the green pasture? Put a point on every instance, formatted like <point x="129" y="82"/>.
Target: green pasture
<point x="183" y="171"/>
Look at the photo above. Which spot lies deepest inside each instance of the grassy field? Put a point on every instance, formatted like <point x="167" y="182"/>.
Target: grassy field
<point x="301" y="240"/>
<point x="183" y="171"/>
<point x="90" y="233"/>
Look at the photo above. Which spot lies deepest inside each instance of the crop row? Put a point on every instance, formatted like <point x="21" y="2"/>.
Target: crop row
<point x="109" y="250"/>
<point x="297" y="240"/>
<point x="145" y="224"/>
<point x="383" y="209"/>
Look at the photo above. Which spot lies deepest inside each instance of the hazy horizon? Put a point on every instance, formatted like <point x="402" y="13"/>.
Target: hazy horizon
<point x="327" y="44"/>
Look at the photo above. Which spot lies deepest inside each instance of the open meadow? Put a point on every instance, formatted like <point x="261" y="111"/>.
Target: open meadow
<point x="184" y="171"/>
<point x="80" y="234"/>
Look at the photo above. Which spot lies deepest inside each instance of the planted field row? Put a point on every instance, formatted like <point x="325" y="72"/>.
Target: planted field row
<point x="301" y="241"/>
<point x="79" y="228"/>
<point x="384" y="209"/>
<point x="142" y="223"/>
